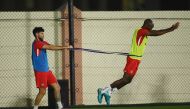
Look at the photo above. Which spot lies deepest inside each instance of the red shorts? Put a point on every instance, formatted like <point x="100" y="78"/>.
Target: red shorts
<point x="43" y="79"/>
<point x="131" y="66"/>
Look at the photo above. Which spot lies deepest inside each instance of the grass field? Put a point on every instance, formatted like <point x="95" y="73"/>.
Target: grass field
<point x="139" y="107"/>
<point x="152" y="107"/>
<point x="144" y="106"/>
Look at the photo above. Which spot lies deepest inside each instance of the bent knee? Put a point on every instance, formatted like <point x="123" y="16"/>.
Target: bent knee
<point x="127" y="80"/>
<point x="42" y="92"/>
<point x="57" y="88"/>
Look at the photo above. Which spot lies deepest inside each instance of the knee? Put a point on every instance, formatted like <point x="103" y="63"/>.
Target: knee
<point x="57" y="88"/>
<point x="42" y="91"/>
<point x="127" y="80"/>
<point x="130" y="80"/>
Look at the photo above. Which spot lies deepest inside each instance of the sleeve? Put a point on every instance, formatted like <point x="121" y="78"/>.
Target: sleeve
<point x="39" y="44"/>
<point x="143" y="32"/>
<point x="46" y="43"/>
<point x="140" y="35"/>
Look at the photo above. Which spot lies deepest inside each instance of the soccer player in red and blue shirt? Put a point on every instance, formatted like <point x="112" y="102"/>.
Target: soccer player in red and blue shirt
<point x="43" y="75"/>
<point x="139" y="42"/>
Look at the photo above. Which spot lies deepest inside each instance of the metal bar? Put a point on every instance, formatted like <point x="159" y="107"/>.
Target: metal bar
<point x="71" y="57"/>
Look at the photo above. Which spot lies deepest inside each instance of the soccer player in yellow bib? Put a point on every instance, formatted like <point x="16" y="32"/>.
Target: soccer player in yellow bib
<point x="139" y="42"/>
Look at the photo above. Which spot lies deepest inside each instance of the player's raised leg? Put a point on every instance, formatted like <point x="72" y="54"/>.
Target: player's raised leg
<point x="116" y="85"/>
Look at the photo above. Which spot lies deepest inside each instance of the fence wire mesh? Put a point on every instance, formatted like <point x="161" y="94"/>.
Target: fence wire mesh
<point x="164" y="71"/>
<point x="163" y="75"/>
<point x="17" y="81"/>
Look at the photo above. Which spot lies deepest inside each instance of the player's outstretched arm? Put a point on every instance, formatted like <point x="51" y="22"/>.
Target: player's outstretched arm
<point x="163" y="31"/>
<point x="55" y="47"/>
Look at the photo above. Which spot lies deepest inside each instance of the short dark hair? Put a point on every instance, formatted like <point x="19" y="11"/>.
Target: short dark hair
<point x="37" y="30"/>
<point x="147" y="21"/>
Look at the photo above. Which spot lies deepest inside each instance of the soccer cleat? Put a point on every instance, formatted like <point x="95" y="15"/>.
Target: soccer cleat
<point x="107" y="97"/>
<point x="100" y="95"/>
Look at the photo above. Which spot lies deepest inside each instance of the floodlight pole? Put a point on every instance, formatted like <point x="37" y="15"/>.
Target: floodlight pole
<point x="71" y="57"/>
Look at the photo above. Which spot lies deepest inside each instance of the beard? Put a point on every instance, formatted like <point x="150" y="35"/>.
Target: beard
<point x="41" y="39"/>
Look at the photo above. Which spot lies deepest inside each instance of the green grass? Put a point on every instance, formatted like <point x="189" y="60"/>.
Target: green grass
<point x="139" y="107"/>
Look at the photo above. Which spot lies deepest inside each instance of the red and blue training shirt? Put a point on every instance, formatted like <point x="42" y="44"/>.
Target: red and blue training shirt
<point x="39" y="56"/>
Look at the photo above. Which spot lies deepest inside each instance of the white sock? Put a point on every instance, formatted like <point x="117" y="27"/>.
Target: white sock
<point x="35" y="107"/>
<point x="111" y="90"/>
<point x="60" y="106"/>
<point x="105" y="89"/>
<point x="109" y="87"/>
<point x="114" y="90"/>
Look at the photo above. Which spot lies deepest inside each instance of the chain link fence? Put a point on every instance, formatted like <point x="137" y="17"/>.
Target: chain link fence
<point x="17" y="81"/>
<point x="163" y="76"/>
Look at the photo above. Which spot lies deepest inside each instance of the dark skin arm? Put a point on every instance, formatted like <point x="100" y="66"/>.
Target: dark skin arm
<point x="163" y="31"/>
